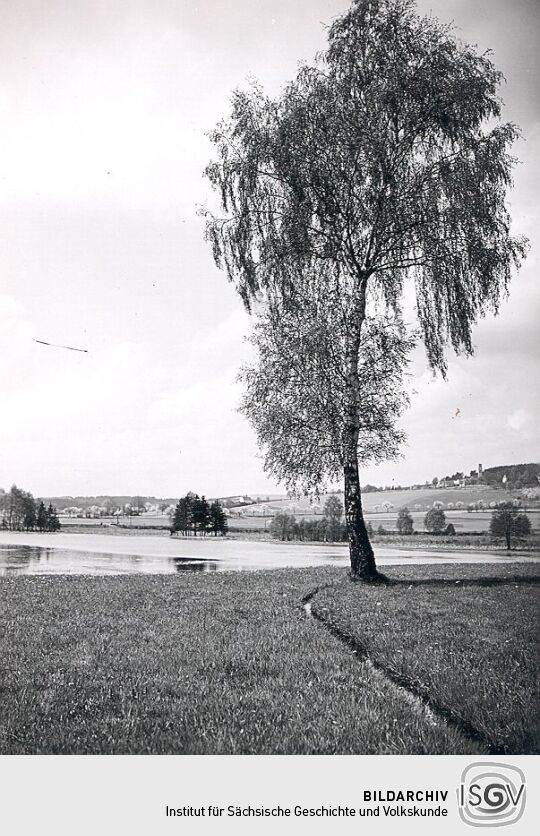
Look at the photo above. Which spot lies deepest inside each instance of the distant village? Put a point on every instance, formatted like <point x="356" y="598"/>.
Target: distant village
<point x="136" y="508"/>
<point x="524" y="478"/>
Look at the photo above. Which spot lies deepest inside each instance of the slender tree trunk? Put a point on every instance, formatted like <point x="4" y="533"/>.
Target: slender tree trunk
<point x="361" y="554"/>
<point x="362" y="557"/>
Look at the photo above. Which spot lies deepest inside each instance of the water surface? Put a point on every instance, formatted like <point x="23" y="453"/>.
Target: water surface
<point x="95" y="554"/>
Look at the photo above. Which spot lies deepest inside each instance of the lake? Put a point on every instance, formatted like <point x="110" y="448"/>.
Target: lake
<point x="24" y="553"/>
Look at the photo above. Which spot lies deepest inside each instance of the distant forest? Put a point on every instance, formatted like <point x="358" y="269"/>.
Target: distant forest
<point x="517" y="475"/>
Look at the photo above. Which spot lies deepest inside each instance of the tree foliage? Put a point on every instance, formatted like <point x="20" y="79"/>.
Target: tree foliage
<point x="435" y="520"/>
<point x="295" y="392"/>
<point x="382" y="160"/>
<point x="182" y="516"/>
<point x="404" y="523"/>
<point x="200" y="515"/>
<point x="42" y="518"/>
<point x="509" y="522"/>
<point x="527" y="474"/>
<point x="20" y="511"/>
<point x="53" y="523"/>
<point x="282" y="526"/>
<point x="218" y="520"/>
<point x="333" y="512"/>
<point x="193" y="515"/>
<point x="330" y="528"/>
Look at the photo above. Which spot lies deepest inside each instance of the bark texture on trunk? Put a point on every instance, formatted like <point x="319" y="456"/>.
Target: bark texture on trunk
<point x="362" y="557"/>
<point x="361" y="554"/>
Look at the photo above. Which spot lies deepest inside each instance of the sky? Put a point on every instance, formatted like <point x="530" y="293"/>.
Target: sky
<point x="104" y="109"/>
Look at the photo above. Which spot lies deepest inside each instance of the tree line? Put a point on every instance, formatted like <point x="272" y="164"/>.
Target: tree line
<point x="507" y="522"/>
<point x="330" y="529"/>
<point x="194" y="515"/>
<point x="21" y="512"/>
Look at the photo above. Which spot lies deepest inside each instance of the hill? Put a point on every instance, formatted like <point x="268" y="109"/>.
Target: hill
<point x="420" y="499"/>
<point x="518" y="475"/>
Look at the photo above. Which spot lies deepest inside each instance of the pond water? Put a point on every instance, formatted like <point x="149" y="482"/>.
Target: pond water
<point x="94" y="554"/>
<point x="36" y="560"/>
<point x="23" y="559"/>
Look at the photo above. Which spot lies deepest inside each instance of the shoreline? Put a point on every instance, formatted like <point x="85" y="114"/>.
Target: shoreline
<point x="270" y="553"/>
<point x="420" y="541"/>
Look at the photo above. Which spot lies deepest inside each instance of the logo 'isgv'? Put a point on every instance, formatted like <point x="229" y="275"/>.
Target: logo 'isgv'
<point x="491" y="794"/>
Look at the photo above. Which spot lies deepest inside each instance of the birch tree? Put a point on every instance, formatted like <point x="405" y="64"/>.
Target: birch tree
<point x="384" y="164"/>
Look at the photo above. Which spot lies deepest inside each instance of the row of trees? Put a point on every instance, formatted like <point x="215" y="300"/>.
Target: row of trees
<point x="286" y="527"/>
<point x="21" y="512"/>
<point x="507" y="522"/>
<point x="329" y="529"/>
<point x="195" y="515"/>
<point x="434" y="522"/>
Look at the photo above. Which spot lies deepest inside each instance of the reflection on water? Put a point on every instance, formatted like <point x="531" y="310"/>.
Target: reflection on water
<point x="36" y="560"/>
<point x="40" y="560"/>
<point x="89" y="554"/>
<point x="186" y="564"/>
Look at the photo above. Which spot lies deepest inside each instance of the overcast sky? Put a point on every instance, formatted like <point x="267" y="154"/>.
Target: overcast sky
<point x="104" y="106"/>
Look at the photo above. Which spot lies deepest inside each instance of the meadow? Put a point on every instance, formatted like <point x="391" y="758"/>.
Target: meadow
<point x="441" y="661"/>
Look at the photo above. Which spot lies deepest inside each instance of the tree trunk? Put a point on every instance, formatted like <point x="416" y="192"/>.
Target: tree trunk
<point x="361" y="554"/>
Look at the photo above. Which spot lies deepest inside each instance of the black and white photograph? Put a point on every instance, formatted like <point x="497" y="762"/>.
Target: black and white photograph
<point x="270" y="471"/>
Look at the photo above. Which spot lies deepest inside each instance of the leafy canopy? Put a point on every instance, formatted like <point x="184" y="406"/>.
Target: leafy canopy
<point x="509" y="521"/>
<point x="435" y="520"/>
<point x="294" y="392"/>
<point x="383" y="161"/>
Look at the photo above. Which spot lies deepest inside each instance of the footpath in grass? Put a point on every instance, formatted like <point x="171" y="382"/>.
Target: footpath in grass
<point x="464" y="637"/>
<point x="231" y="664"/>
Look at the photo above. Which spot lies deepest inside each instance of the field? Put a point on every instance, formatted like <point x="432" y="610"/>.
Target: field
<point x="234" y="663"/>
<point x="425" y="497"/>
<point x="462" y="521"/>
<point x="144" y="521"/>
<point x="257" y="517"/>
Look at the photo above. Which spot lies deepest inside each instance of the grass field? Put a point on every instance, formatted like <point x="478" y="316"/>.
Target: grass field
<point x="233" y="664"/>
<point x="471" y="650"/>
